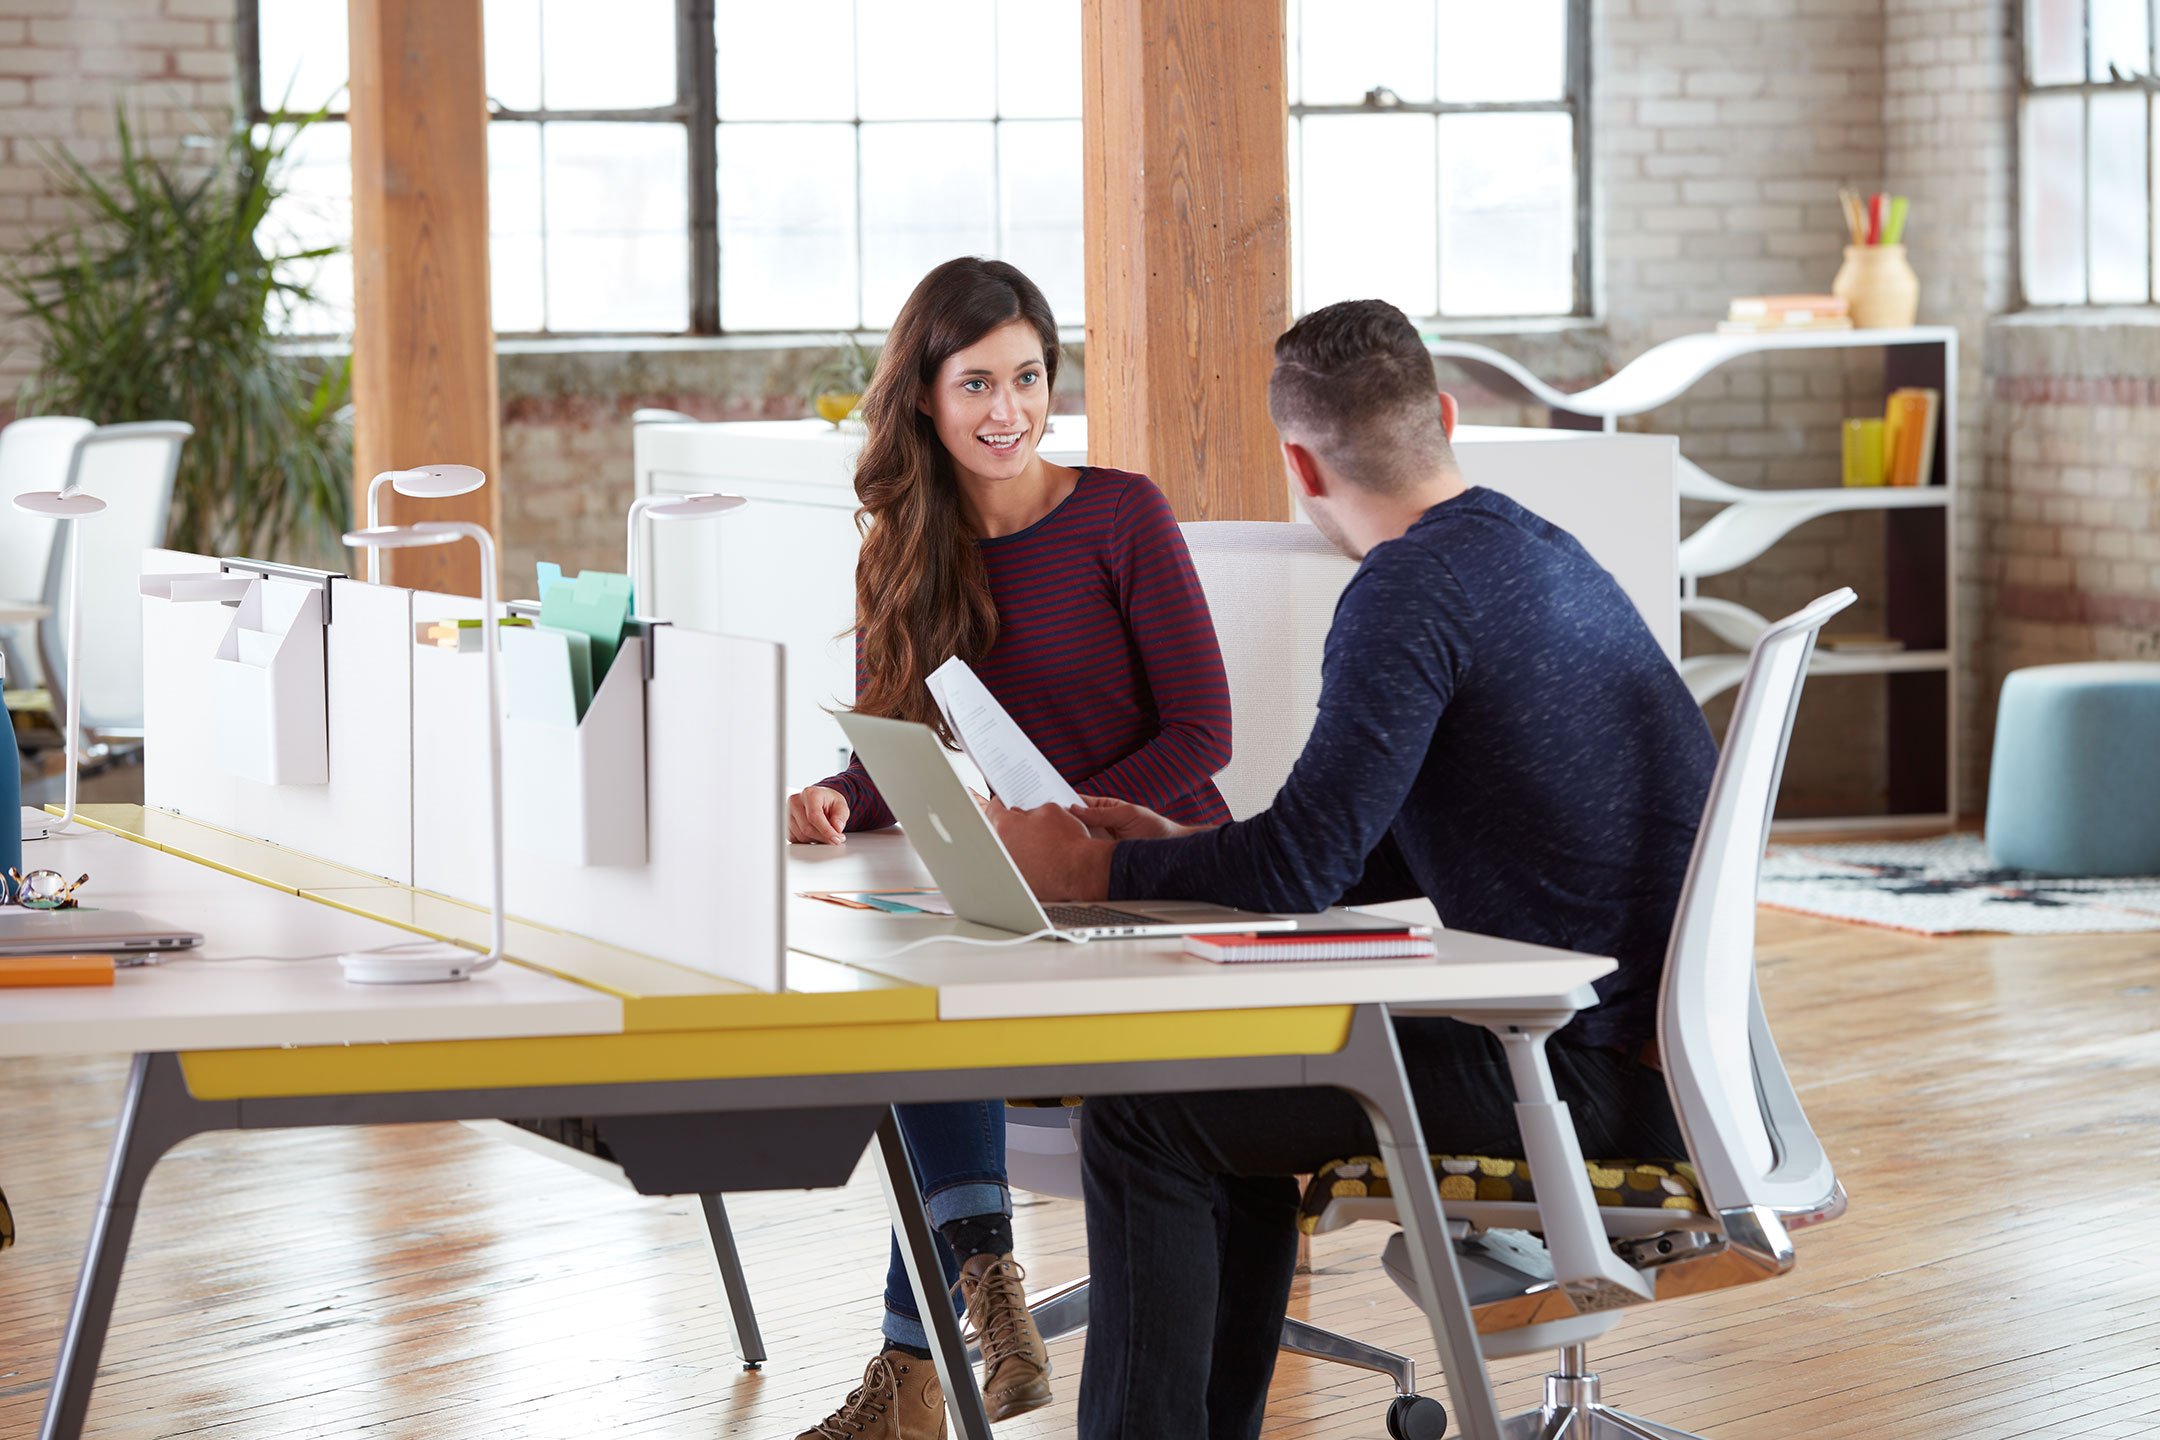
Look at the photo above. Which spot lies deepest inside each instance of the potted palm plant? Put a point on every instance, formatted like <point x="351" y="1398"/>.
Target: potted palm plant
<point x="160" y="304"/>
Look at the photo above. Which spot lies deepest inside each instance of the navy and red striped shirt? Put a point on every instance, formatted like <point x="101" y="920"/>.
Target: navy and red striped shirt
<point x="1105" y="655"/>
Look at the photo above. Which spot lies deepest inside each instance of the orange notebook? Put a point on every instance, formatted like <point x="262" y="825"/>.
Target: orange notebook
<point x="24" y="971"/>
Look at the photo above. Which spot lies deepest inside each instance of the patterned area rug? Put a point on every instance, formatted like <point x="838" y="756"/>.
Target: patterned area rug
<point x="1946" y="887"/>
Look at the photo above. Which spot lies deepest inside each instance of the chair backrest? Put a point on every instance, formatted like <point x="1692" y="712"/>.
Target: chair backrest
<point x="131" y="468"/>
<point x="1747" y="1135"/>
<point x="1271" y="587"/>
<point x="35" y="453"/>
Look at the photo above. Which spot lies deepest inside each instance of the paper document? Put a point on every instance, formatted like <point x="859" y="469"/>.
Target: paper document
<point x="1016" y="770"/>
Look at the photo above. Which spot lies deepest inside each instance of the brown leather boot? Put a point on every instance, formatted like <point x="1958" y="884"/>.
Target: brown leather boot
<point x="1016" y="1365"/>
<point x="899" y="1399"/>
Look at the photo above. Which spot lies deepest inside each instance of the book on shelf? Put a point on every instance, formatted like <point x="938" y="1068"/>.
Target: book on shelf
<point x="1755" y="314"/>
<point x="1311" y="945"/>
<point x="1910" y="419"/>
<point x="1863" y="644"/>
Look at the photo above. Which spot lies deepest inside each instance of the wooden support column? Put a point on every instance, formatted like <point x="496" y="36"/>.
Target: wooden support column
<point x="424" y="388"/>
<point x="1188" y="247"/>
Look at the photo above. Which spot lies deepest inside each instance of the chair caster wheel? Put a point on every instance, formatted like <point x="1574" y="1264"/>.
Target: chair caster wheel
<point x="1413" y="1417"/>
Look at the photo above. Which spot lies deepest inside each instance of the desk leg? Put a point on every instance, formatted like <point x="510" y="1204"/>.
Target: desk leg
<point x="748" y="1340"/>
<point x="1370" y="1067"/>
<point x="918" y="1249"/>
<point x="156" y="1114"/>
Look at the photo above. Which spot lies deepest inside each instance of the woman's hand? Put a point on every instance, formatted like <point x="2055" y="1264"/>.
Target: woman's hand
<point x="817" y="816"/>
<point x="1123" y="820"/>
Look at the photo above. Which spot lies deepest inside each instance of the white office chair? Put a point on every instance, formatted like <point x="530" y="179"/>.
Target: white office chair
<point x="35" y="454"/>
<point x="131" y="468"/>
<point x="1754" y="1171"/>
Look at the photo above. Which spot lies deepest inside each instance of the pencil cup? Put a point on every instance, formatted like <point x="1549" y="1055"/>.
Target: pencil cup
<point x="1878" y="284"/>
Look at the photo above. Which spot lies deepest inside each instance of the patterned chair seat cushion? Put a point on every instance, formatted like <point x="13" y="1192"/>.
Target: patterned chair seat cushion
<point x="1620" y="1184"/>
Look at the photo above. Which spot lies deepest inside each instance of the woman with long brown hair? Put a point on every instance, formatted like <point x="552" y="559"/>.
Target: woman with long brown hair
<point x="1070" y="592"/>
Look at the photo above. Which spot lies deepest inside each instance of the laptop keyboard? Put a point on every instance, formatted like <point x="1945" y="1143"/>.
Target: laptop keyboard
<point x="1094" y="917"/>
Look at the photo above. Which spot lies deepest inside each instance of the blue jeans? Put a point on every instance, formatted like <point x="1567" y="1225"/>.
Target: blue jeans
<point x="958" y="1152"/>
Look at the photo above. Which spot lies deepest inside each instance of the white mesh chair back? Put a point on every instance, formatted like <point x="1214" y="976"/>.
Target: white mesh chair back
<point x="1749" y="1139"/>
<point x="129" y="467"/>
<point x="1271" y="587"/>
<point x="34" y="455"/>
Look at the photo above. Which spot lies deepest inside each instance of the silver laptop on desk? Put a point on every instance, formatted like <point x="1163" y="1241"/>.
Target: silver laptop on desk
<point x="977" y="877"/>
<point x="88" y="932"/>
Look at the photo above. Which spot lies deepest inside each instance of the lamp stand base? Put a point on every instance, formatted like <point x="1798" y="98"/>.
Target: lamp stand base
<point x="419" y="962"/>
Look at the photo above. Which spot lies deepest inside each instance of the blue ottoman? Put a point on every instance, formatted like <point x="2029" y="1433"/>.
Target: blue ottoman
<point x="2075" y="784"/>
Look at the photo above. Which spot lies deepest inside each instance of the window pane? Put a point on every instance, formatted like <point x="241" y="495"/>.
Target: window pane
<point x="516" y="246"/>
<point x="2117" y="188"/>
<point x="2055" y="41"/>
<point x="787" y="227"/>
<point x="2054" y="199"/>
<point x="618" y="226"/>
<point x="305" y="54"/>
<point x="785" y="62"/>
<point x="315" y="211"/>
<point x="1039" y="174"/>
<point x="2120" y="38"/>
<point x="928" y="195"/>
<point x="1516" y="51"/>
<point x="512" y="32"/>
<point x="1507" y="206"/>
<point x="1039" y="58"/>
<point x="615" y="56"/>
<point x="934" y="59"/>
<point x="1351" y="46"/>
<point x="1365" y="227"/>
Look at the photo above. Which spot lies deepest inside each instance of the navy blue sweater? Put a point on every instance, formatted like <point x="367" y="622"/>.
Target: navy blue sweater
<point x="1499" y="732"/>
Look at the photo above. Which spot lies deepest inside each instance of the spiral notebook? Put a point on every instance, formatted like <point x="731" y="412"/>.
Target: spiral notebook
<point x="1311" y="945"/>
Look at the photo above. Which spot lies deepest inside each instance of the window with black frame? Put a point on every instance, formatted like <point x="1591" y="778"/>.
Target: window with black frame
<point x="2086" y="139"/>
<point x="735" y="166"/>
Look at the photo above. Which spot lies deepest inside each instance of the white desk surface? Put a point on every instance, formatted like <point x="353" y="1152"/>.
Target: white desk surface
<point x="1119" y="977"/>
<point x="217" y="997"/>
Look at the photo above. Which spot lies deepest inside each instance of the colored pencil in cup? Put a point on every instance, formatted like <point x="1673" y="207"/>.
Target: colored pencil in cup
<point x="1894" y="227"/>
<point x="1875" y="218"/>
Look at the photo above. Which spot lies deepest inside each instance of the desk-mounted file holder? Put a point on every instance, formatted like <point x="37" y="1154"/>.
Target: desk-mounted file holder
<point x="268" y="683"/>
<point x="574" y="790"/>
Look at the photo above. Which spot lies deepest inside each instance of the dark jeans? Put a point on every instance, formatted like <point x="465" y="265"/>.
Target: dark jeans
<point x="959" y="1154"/>
<point x="1192" y="1214"/>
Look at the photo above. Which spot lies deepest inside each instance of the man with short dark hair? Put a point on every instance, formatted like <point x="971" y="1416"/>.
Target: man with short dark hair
<point x="1499" y="732"/>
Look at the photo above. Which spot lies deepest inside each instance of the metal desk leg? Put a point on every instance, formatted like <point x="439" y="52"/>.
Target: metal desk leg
<point x="156" y="1114"/>
<point x="747" y="1338"/>
<point x="1370" y="1067"/>
<point x="918" y="1250"/>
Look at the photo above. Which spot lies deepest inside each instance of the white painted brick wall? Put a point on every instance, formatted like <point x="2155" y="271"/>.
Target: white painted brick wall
<point x="63" y="66"/>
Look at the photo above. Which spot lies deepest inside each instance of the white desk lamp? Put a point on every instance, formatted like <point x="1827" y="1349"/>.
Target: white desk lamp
<point x="430" y="960"/>
<point x="427" y="482"/>
<point x="70" y="506"/>
<point x="703" y="506"/>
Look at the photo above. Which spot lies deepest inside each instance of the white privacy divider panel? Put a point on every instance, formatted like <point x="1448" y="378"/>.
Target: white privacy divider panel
<point x="710" y="893"/>
<point x="362" y="816"/>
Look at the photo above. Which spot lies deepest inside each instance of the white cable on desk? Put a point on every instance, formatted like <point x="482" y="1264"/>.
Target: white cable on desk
<point x="971" y="940"/>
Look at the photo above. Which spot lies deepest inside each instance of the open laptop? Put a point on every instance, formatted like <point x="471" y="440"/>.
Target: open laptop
<point x="120" y="933"/>
<point x="976" y="875"/>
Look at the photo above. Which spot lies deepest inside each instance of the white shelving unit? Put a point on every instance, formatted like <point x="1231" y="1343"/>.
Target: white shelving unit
<point x="1918" y="580"/>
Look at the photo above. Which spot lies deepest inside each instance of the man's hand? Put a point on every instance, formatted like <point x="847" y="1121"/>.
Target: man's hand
<point x="1054" y="851"/>
<point x="1123" y="820"/>
<point x="817" y="816"/>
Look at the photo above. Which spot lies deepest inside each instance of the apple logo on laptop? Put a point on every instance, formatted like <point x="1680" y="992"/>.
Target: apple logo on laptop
<point x="939" y="826"/>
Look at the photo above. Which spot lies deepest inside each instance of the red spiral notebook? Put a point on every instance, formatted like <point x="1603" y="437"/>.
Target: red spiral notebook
<point x="1292" y="945"/>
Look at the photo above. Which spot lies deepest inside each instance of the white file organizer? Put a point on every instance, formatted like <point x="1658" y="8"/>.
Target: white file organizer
<point x="267" y="680"/>
<point x="573" y="790"/>
<point x="709" y="894"/>
<point x="362" y="816"/>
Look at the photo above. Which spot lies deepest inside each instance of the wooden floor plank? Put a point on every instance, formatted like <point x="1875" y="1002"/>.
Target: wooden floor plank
<point x="1993" y="1104"/>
